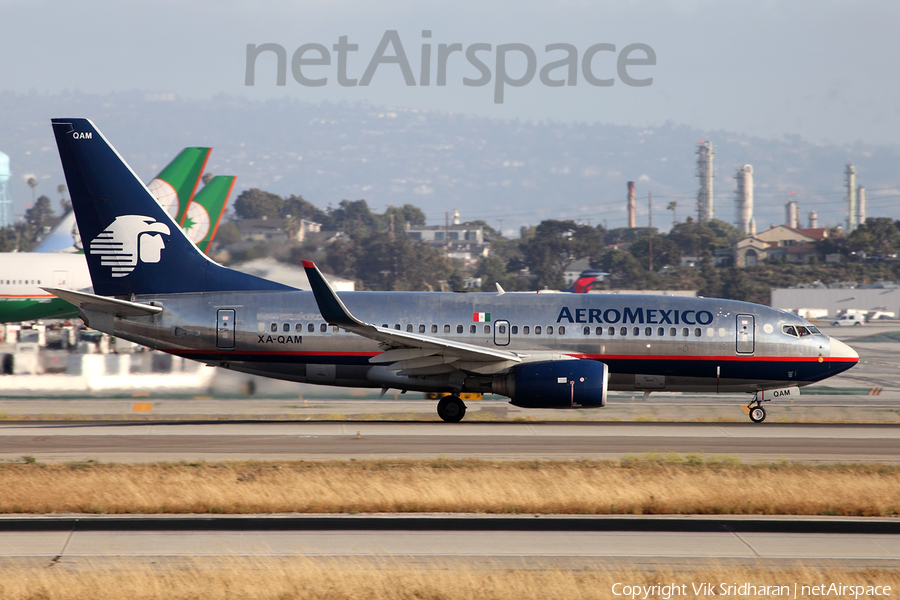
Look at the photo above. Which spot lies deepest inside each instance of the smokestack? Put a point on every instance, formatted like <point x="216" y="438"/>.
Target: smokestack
<point x="631" y="222"/>
<point x="705" y="208"/>
<point x="753" y="226"/>
<point x="744" y="198"/>
<point x="861" y="207"/>
<point x="792" y="214"/>
<point x="852" y="207"/>
<point x="813" y="220"/>
<point x="455" y="217"/>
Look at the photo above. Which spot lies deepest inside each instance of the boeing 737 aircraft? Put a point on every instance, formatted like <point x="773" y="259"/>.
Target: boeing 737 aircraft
<point x="153" y="287"/>
<point x="58" y="262"/>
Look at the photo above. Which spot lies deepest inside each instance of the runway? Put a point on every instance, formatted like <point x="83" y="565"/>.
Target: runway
<point x="210" y="441"/>
<point x="576" y="542"/>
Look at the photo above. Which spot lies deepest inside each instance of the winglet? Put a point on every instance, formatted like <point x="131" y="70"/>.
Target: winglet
<point x="331" y="307"/>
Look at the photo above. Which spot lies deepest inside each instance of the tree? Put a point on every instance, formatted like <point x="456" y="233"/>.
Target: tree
<point x="672" y="206"/>
<point x="554" y="245"/>
<point x="32" y="183"/>
<point x="354" y="218"/>
<point x="623" y="268"/>
<point x="257" y="204"/>
<point x="407" y="214"/>
<point x="207" y="177"/>
<point x="299" y="208"/>
<point x="877" y="236"/>
<point x="39" y="213"/>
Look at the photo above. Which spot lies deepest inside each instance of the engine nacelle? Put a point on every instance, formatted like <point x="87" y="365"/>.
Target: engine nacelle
<point x="559" y="384"/>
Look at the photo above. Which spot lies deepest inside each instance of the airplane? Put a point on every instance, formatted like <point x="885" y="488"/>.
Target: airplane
<point x="58" y="260"/>
<point x="153" y="287"/>
<point x="585" y="282"/>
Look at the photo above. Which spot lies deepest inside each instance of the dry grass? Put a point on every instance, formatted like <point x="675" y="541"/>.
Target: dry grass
<point x="262" y="579"/>
<point x="644" y="485"/>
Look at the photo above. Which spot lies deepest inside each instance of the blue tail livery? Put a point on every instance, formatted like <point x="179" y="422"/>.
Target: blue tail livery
<point x="132" y="245"/>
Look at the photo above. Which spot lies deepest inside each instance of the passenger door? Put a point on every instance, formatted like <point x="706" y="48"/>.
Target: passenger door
<point x="745" y="331"/>
<point x="225" y="329"/>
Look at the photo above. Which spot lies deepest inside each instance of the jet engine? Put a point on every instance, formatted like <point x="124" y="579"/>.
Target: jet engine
<point x="556" y="384"/>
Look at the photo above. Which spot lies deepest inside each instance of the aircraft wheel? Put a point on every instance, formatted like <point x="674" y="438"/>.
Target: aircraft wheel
<point x="451" y="409"/>
<point x="757" y="414"/>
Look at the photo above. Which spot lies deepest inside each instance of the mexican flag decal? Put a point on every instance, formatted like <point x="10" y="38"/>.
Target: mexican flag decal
<point x="481" y="317"/>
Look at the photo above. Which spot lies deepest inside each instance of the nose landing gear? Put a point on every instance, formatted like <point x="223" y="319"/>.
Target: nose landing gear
<point x="757" y="412"/>
<point x="451" y="409"/>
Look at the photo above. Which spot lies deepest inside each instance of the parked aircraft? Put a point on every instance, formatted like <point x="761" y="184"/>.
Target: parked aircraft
<point x="58" y="260"/>
<point x="153" y="287"/>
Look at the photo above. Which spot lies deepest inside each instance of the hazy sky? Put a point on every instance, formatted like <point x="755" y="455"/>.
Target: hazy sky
<point x="825" y="70"/>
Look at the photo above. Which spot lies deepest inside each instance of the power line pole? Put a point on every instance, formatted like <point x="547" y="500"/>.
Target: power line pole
<point x="446" y="234"/>
<point x="650" y="224"/>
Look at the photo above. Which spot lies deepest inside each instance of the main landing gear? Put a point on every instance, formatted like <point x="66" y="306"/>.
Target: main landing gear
<point x="451" y="409"/>
<point x="757" y="412"/>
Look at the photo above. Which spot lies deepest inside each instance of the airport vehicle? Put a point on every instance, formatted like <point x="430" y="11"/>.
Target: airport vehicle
<point x="849" y="319"/>
<point x="153" y="287"/>
<point x="58" y="260"/>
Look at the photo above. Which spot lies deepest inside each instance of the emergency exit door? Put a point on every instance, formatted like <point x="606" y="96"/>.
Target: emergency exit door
<point x="225" y="329"/>
<point x="746" y="332"/>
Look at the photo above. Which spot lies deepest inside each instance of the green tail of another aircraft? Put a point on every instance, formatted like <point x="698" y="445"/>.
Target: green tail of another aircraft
<point x="205" y="211"/>
<point x="175" y="185"/>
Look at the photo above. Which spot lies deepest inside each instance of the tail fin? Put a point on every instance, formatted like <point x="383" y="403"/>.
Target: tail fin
<point x="174" y="186"/>
<point x="585" y="282"/>
<point x="132" y="245"/>
<point x="202" y="218"/>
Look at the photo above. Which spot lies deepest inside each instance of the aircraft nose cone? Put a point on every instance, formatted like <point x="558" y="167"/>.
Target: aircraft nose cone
<point x="841" y="350"/>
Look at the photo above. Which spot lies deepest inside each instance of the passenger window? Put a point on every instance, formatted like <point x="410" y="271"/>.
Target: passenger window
<point x="549" y="330"/>
<point x="298" y="327"/>
<point x="697" y="332"/>
<point x="335" y="329"/>
<point x="660" y="331"/>
<point x="672" y="331"/>
<point x="685" y="332"/>
<point x="599" y="330"/>
<point x="274" y="327"/>
<point x="385" y="325"/>
<point x="323" y="328"/>
<point x="537" y="330"/>
<point x="311" y="328"/>
<point x="446" y="328"/>
<point x="501" y="328"/>
<point x="611" y="330"/>
<point x="789" y="329"/>
<point x="286" y="328"/>
<point x="459" y="329"/>
<point x="422" y="328"/>
<point x="514" y="330"/>
<point x="433" y="328"/>
<point x="487" y="328"/>
<point x="409" y="328"/>
<point x="648" y="331"/>
<point x="623" y="331"/>
<point x="562" y="330"/>
<point x="397" y="326"/>
<point x="635" y="331"/>
<point x="472" y="328"/>
<point x="586" y="331"/>
<point x="526" y="330"/>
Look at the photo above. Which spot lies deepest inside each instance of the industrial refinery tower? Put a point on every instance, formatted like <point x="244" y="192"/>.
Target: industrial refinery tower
<point x="6" y="208"/>
<point x="744" y="200"/>
<point x="705" y="208"/>
<point x="852" y="209"/>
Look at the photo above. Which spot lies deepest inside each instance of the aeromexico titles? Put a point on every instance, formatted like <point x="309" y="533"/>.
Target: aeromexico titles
<point x="153" y="287"/>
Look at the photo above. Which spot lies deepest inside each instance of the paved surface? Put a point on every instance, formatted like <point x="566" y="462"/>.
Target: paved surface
<point x="809" y="541"/>
<point x="139" y="442"/>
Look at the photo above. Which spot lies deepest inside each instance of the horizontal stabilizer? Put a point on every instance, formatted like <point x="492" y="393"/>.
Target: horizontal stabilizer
<point x="113" y="306"/>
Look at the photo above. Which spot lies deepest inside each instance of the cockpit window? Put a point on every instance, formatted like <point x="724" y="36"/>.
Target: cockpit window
<point x="802" y="330"/>
<point x="789" y="329"/>
<point x="813" y="330"/>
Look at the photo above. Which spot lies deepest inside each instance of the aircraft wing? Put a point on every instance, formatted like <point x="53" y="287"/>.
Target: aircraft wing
<point x="410" y="353"/>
